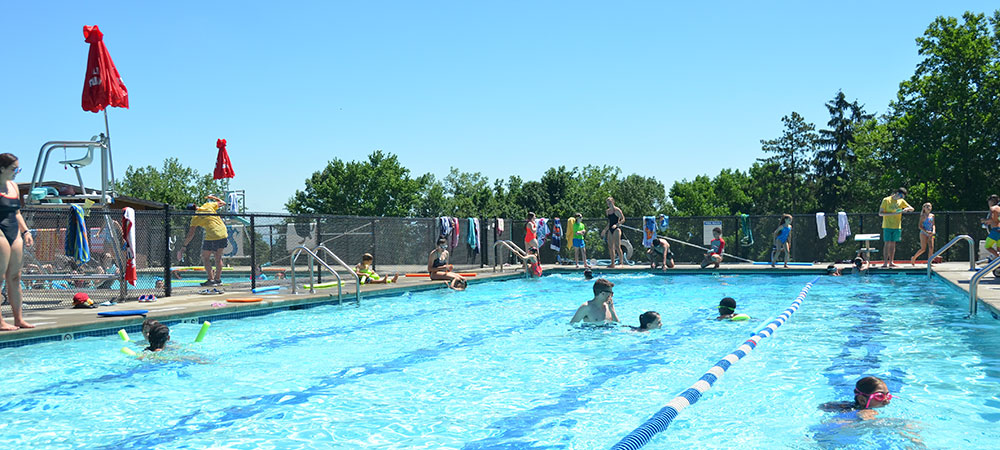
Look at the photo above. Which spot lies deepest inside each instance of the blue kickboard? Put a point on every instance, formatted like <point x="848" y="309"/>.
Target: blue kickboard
<point x="127" y="312"/>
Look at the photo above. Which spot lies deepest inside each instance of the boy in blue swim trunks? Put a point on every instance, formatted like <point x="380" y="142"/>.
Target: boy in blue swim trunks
<point x="891" y="210"/>
<point x="992" y="222"/>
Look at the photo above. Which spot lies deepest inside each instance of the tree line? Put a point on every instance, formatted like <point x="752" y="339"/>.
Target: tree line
<point x="940" y="138"/>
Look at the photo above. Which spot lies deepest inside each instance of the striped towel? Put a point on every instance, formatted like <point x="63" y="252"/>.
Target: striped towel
<point x="77" y="246"/>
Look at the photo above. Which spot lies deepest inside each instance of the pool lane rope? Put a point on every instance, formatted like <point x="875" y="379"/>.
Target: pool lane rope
<point x="661" y="420"/>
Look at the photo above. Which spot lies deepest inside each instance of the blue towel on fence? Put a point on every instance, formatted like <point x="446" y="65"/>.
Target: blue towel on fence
<point x="472" y="238"/>
<point x="649" y="231"/>
<point x="77" y="246"/>
<point x="663" y="223"/>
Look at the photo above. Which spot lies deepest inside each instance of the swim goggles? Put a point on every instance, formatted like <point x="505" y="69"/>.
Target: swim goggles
<point x="877" y="396"/>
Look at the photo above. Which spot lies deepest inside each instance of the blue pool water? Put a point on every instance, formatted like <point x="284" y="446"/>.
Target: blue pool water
<point x="497" y="366"/>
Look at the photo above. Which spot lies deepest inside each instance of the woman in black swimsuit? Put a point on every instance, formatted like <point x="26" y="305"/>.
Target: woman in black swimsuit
<point x="614" y="232"/>
<point x="439" y="269"/>
<point x="16" y="236"/>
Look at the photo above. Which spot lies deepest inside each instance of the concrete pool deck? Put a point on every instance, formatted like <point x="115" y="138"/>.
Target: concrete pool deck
<point x="65" y="324"/>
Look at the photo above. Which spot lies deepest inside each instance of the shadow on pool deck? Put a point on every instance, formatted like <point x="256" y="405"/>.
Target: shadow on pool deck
<point x="64" y="324"/>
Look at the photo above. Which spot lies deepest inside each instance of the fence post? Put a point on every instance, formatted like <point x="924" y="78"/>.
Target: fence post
<point x="166" y="251"/>
<point x="319" y="240"/>
<point x="253" y="256"/>
<point x="374" y="253"/>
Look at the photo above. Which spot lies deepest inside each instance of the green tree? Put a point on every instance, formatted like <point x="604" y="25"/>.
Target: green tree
<point x="944" y="119"/>
<point x="379" y="186"/>
<point x="834" y="152"/>
<point x="173" y="184"/>
<point x="792" y="154"/>
<point x="726" y="194"/>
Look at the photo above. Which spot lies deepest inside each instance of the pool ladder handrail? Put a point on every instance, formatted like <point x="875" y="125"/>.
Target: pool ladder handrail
<point x="974" y="285"/>
<point x="972" y="252"/>
<point x="312" y="276"/>
<point x="510" y="245"/>
<point x="357" y="279"/>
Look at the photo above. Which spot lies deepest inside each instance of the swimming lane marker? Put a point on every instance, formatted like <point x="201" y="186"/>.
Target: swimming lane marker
<point x="661" y="420"/>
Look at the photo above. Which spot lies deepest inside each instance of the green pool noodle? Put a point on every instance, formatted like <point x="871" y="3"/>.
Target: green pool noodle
<point x="124" y="335"/>
<point x="129" y="351"/>
<point x="203" y="331"/>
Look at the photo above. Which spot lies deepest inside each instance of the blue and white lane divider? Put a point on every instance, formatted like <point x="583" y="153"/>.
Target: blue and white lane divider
<point x="661" y="420"/>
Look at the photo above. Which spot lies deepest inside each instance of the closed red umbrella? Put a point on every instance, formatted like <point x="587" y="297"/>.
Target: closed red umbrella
<point x="223" y="168"/>
<point x="102" y="86"/>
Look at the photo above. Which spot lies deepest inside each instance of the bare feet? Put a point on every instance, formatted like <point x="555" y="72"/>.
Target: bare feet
<point x="395" y="277"/>
<point x="23" y="324"/>
<point x="893" y="266"/>
<point x="4" y="326"/>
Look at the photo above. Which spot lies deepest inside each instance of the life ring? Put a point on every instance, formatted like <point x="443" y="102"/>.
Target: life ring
<point x="627" y="249"/>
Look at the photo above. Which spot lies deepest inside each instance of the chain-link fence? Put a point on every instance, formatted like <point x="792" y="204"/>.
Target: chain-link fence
<point x="806" y="246"/>
<point x="258" y="252"/>
<point x="260" y="247"/>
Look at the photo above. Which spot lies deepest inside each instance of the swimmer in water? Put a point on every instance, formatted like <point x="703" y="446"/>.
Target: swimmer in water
<point x="649" y="320"/>
<point x="600" y="309"/>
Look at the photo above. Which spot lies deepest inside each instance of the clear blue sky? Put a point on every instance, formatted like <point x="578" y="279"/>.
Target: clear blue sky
<point x="503" y="88"/>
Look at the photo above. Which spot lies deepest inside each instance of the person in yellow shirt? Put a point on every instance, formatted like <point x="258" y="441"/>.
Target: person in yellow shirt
<point x="891" y="211"/>
<point x="216" y="237"/>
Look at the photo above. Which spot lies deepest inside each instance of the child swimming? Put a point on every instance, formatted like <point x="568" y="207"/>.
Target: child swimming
<point x="869" y="393"/>
<point x="727" y="310"/>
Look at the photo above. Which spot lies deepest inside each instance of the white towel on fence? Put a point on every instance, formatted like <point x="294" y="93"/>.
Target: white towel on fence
<point x="821" y="224"/>
<point x="845" y="228"/>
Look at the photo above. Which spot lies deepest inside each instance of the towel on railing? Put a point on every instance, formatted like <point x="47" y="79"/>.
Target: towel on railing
<point x="128" y="235"/>
<point x="845" y="228"/>
<point x="472" y="237"/>
<point x="543" y="229"/>
<point x="821" y="224"/>
<point x="649" y="231"/>
<point x="234" y="200"/>
<point x="455" y="230"/>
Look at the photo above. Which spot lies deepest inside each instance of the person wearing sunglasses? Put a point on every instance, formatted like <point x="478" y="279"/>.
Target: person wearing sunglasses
<point x="600" y="309"/>
<point x="17" y="237"/>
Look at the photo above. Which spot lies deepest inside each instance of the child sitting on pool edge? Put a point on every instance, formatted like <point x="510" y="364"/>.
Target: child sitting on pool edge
<point x="367" y="275"/>
<point x="727" y="310"/>
<point x="869" y="392"/>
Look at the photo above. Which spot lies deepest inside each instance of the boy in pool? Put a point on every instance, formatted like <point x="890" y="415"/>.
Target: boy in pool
<point x="156" y="333"/>
<point x="869" y="393"/>
<point x="588" y="274"/>
<point x="727" y="310"/>
<point x="600" y="309"/>
<point x="367" y="275"/>
<point x="714" y="254"/>
<point x="832" y="270"/>
<point x="649" y="320"/>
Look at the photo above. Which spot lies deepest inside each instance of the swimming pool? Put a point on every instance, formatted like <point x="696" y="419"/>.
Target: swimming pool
<point x="497" y="366"/>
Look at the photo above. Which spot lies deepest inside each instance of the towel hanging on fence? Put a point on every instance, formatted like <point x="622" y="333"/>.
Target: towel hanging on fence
<point x="444" y="223"/>
<point x="845" y="228"/>
<point x="77" y="246"/>
<point x="500" y="227"/>
<point x="543" y="229"/>
<point x="455" y="230"/>
<point x="821" y="224"/>
<point x="663" y="222"/>
<point x="555" y="235"/>
<point x="472" y="237"/>
<point x="649" y="231"/>
<point x="128" y="235"/>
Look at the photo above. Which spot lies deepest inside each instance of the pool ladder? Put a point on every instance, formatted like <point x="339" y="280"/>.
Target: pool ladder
<point x="974" y="281"/>
<point x="509" y="245"/>
<point x="313" y="257"/>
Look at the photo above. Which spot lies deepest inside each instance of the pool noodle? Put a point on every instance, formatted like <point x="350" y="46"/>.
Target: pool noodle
<point x="763" y="325"/>
<point x="128" y="351"/>
<point x="425" y="275"/>
<point x="203" y="331"/>
<point x="265" y="289"/>
<point x="124" y="335"/>
<point x="328" y="284"/>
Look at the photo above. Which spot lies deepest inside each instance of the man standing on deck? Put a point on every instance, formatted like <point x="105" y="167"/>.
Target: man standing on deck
<point x="992" y="222"/>
<point x="216" y="237"/>
<point x="891" y="211"/>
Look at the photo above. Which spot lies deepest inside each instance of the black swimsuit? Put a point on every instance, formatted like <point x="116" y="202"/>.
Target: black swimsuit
<point x="8" y="217"/>
<point x="612" y="222"/>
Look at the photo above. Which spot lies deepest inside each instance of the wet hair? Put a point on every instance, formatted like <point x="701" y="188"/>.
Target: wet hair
<point x="858" y="262"/>
<point x="159" y="334"/>
<point x="6" y="159"/>
<point x="148" y="325"/>
<point x="901" y="191"/>
<point x="367" y="257"/>
<point x="588" y="274"/>
<point x="869" y="386"/>
<point x="647" y="318"/>
<point x="831" y="268"/>
<point x="461" y="282"/>
<point x="717" y="230"/>
<point x="602" y="285"/>
<point x="657" y="242"/>
<point x="727" y="303"/>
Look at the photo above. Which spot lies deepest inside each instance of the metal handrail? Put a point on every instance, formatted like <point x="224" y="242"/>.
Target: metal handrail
<point x="974" y="285"/>
<point x="357" y="279"/>
<point x="972" y="252"/>
<point x="312" y="278"/>
<point x="510" y="246"/>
